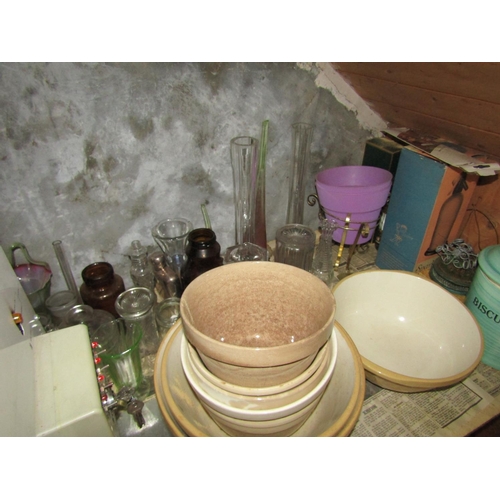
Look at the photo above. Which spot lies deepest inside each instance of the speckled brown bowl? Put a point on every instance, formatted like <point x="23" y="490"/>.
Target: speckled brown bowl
<point x="252" y="316"/>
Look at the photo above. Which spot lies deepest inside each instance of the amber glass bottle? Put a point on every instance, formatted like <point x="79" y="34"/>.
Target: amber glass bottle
<point x="203" y="254"/>
<point x="101" y="287"/>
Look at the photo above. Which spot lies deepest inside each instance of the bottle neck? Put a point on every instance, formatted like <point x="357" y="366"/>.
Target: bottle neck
<point x="98" y="274"/>
<point x="201" y="238"/>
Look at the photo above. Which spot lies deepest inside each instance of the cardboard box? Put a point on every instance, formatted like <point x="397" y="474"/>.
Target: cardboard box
<point x="428" y="203"/>
<point x="382" y="152"/>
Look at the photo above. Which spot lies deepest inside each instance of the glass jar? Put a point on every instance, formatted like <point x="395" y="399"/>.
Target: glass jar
<point x="203" y="254"/>
<point x="82" y="314"/>
<point x="59" y="304"/>
<point x="101" y="287"/>
<point x="167" y="313"/>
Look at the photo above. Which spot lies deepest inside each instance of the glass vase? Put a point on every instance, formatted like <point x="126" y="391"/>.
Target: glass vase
<point x="301" y="144"/>
<point x="260" y="202"/>
<point x="322" y="265"/>
<point x="244" y="162"/>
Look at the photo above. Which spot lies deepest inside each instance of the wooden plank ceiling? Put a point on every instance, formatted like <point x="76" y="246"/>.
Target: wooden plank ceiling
<point x="457" y="101"/>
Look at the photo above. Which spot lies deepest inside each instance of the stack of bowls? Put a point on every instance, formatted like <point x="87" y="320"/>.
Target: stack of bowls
<point x="258" y="349"/>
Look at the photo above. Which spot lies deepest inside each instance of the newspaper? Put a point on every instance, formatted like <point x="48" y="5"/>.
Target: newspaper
<point x="456" y="411"/>
<point x="467" y="159"/>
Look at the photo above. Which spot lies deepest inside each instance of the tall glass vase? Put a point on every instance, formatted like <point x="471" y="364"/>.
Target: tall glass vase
<point x="260" y="197"/>
<point x="244" y="162"/>
<point x="301" y="144"/>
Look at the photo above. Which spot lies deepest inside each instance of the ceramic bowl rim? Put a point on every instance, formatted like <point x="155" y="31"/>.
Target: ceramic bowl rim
<point x="273" y="413"/>
<point x="267" y="390"/>
<point x="406" y="380"/>
<point x="256" y="356"/>
<point x="250" y="399"/>
<point x="182" y="426"/>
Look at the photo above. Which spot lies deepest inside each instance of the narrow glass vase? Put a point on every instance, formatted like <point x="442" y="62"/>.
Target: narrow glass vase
<point x="301" y="144"/>
<point x="244" y="158"/>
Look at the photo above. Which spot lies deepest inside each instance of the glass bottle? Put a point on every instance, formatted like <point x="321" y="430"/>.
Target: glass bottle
<point x="301" y="143"/>
<point x="168" y="283"/>
<point x="101" y="287"/>
<point x="141" y="269"/>
<point x="203" y="254"/>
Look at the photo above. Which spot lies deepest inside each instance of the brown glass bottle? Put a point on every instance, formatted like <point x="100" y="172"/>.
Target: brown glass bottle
<point x="203" y="254"/>
<point x="101" y="287"/>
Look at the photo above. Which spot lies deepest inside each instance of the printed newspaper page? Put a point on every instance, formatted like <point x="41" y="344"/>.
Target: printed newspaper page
<point x="455" y="411"/>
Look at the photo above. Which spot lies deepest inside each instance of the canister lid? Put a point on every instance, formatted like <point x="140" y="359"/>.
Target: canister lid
<point x="134" y="302"/>
<point x="489" y="262"/>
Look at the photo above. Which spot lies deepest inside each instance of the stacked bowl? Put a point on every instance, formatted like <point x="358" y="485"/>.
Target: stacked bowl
<point x="258" y="349"/>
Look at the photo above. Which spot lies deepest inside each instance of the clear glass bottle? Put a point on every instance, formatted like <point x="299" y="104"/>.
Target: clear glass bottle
<point x="141" y="268"/>
<point x="101" y="287"/>
<point x="203" y="254"/>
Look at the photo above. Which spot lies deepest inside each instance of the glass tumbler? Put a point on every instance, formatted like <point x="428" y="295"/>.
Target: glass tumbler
<point x="136" y="305"/>
<point x="118" y="347"/>
<point x="171" y="236"/>
<point x="295" y="245"/>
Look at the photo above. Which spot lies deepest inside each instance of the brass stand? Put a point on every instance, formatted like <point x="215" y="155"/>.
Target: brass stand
<point x="363" y="230"/>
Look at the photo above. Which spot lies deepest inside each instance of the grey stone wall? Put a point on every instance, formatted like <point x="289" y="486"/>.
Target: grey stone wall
<point x="96" y="154"/>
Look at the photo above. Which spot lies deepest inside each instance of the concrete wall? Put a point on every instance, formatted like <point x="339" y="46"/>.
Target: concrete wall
<point x="96" y="154"/>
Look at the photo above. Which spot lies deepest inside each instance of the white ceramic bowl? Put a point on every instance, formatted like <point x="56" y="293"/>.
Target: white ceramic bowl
<point x="304" y="376"/>
<point x="193" y="369"/>
<point x="276" y="421"/>
<point x="277" y="427"/>
<point x="335" y="415"/>
<point x="254" y="316"/>
<point x="412" y="334"/>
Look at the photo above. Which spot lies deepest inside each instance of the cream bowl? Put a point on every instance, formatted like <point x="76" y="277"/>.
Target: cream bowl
<point x="412" y="334"/>
<point x="215" y="405"/>
<point x="302" y="378"/>
<point x="258" y="402"/>
<point x="335" y="415"/>
<point x="253" y="316"/>
<point x="278" y="427"/>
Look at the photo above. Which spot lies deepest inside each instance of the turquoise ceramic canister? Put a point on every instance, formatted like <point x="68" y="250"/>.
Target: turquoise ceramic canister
<point x="483" y="300"/>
